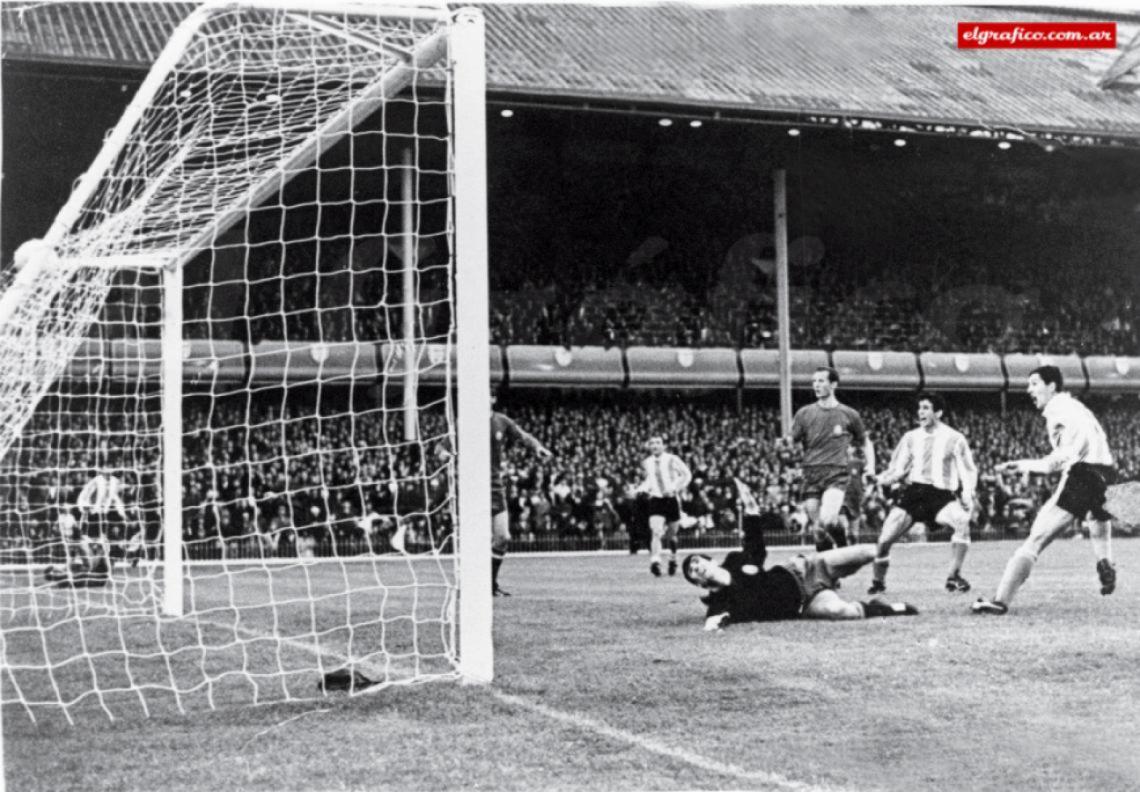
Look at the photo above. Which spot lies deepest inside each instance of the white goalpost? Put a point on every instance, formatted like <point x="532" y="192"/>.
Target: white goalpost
<point x="244" y="380"/>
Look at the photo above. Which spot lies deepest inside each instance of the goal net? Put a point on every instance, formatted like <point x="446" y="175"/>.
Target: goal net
<point x="231" y="404"/>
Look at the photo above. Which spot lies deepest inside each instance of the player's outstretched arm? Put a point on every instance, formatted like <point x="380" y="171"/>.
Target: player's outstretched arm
<point x="535" y="445"/>
<point x="1068" y="449"/>
<point x="516" y="432"/>
<point x="1044" y="465"/>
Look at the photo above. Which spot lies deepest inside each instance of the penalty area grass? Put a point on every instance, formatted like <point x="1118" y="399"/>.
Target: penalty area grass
<point x="605" y="681"/>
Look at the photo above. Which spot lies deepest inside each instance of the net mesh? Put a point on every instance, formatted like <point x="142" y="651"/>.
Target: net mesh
<point x="297" y="166"/>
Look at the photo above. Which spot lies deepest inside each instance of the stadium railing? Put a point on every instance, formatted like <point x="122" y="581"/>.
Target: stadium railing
<point x="212" y="361"/>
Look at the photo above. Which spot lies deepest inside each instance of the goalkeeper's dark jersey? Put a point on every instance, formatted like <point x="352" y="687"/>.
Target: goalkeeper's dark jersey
<point x="756" y="594"/>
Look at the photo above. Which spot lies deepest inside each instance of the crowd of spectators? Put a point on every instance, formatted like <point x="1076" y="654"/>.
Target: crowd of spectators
<point x="287" y="474"/>
<point x="708" y="284"/>
<point x="284" y="474"/>
<point x="831" y="306"/>
<point x="1060" y="315"/>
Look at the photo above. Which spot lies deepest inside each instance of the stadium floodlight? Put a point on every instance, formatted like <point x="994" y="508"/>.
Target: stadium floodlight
<point x="298" y="189"/>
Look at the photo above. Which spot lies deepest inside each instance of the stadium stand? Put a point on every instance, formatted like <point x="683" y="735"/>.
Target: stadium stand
<point x="611" y="231"/>
<point x="622" y="240"/>
<point x="581" y="499"/>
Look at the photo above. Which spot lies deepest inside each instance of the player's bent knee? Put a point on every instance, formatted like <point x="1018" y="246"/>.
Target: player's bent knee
<point x="830" y="509"/>
<point x="1098" y="529"/>
<point x="811" y="508"/>
<point x="1028" y="550"/>
<point x="956" y="518"/>
<point x="828" y="605"/>
<point x="1039" y="539"/>
<point x="1050" y="522"/>
<point x="842" y="611"/>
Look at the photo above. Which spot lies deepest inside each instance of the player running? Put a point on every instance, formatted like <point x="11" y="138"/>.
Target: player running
<point x="829" y="434"/>
<point x="937" y="464"/>
<point x="665" y="476"/>
<point x="1081" y="454"/>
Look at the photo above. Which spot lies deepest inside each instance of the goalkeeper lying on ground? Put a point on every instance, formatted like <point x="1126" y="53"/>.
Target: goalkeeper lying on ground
<point x="741" y="590"/>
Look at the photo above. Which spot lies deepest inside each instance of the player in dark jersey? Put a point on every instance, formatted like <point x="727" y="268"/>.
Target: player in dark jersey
<point x="829" y="434"/>
<point x="740" y="589"/>
<point x="504" y="430"/>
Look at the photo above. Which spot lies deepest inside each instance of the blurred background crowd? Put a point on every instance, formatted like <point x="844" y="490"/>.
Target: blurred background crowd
<point x="288" y="474"/>
<point x="722" y="297"/>
<point x="613" y="231"/>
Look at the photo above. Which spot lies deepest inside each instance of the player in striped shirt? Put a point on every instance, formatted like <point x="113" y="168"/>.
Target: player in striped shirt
<point x="665" y="477"/>
<point x="937" y="465"/>
<point x="1082" y="456"/>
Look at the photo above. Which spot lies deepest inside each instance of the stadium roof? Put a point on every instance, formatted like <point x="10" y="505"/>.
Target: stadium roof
<point x="891" y="63"/>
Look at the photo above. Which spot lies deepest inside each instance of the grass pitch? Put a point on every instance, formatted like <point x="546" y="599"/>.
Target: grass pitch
<point x="605" y="681"/>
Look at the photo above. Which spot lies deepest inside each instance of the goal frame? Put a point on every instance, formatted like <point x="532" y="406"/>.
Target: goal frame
<point x="463" y="41"/>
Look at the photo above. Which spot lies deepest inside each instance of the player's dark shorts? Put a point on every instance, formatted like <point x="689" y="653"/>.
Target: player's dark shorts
<point x="922" y="502"/>
<point x="498" y="498"/>
<point x="812" y="575"/>
<point x="669" y="508"/>
<point x="820" y="478"/>
<point x="1082" y="490"/>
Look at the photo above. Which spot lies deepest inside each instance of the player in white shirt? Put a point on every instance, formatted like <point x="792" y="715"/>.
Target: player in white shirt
<point x="73" y="538"/>
<point x="1082" y="456"/>
<point x="937" y="465"/>
<point x="665" y="477"/>
<point x="100" y="501"/>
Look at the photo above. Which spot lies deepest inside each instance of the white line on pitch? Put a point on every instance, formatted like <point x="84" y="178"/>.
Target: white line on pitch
<point x="579" y="722"/>
<point x="654" y="746"/>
